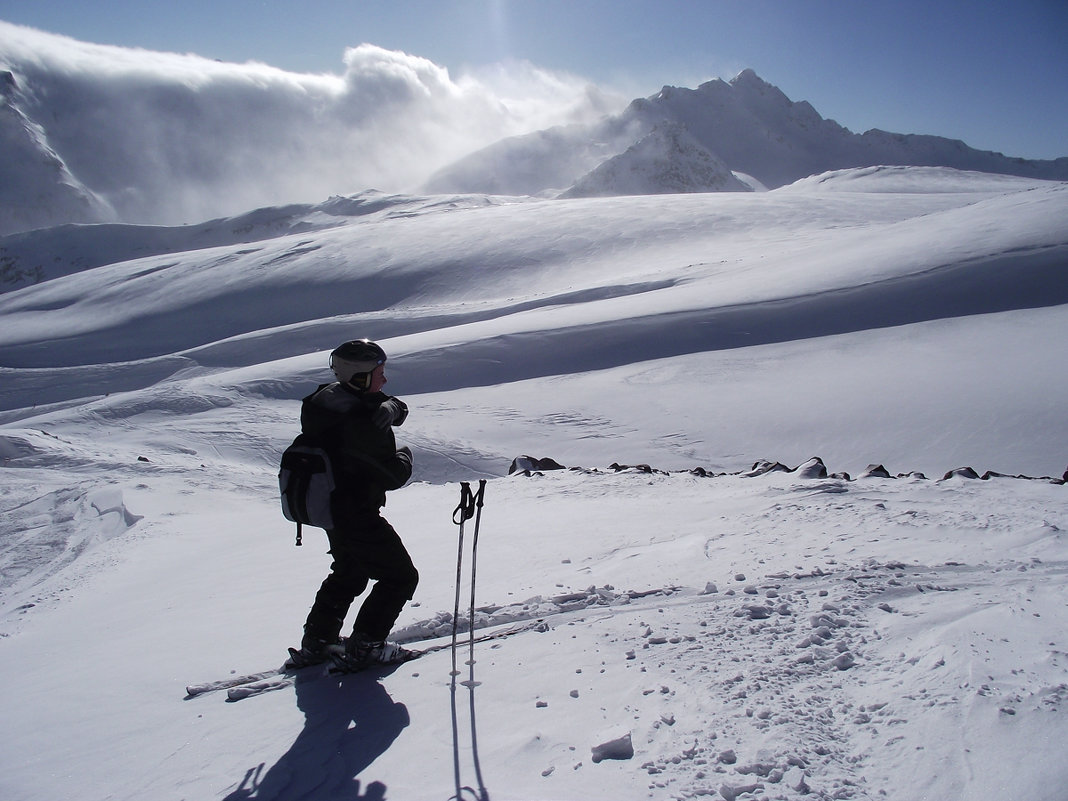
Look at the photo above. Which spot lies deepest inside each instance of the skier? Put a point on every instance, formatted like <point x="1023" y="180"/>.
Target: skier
<point x="355" y="418"/>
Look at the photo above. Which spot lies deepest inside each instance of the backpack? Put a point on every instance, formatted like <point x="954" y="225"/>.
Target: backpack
<point x="306" y="483"/>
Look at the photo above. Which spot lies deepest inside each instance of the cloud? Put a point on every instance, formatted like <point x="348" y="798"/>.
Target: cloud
<point x="167" y="137"/>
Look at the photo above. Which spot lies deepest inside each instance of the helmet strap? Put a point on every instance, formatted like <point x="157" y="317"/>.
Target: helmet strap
<point x="360" y="381"/>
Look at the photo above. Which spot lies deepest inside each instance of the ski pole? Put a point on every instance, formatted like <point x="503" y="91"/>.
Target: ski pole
<point x="463" y="512"/>
<point x="478" y="500"/>
<point x="470" y="506"/>
<point x="471" y="683"/>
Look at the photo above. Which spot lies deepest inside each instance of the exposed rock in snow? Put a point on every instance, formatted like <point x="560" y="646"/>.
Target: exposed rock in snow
<point x="527" y="464"/>
<point x="875" y="471"/>
<point x="619" y="748"/>
<point x="813" y="468"/>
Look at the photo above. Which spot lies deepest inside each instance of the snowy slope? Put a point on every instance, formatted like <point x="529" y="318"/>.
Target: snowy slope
<point x="698" y="628"/>
<point x="570" y="287"/>
<point x="40" y="255"/>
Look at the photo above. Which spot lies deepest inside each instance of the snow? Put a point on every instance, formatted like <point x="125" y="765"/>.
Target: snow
<point x="715" y="609"/>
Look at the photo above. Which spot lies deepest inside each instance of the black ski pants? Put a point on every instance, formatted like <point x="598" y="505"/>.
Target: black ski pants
<point x="364" y="551"/>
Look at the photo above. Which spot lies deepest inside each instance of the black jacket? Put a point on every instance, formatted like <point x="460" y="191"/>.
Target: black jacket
<point x="365" y="457"/>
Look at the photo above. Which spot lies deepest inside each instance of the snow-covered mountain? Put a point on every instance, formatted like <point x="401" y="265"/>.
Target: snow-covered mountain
<point x="666" y="161"/>
<point x="110" y="134"/>
<point x="36" y="188"/>
<point x="106" y="134"/>
<point x="748" y="124"/>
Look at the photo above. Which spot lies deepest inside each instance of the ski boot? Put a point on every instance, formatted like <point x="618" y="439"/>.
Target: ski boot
<point x="313" y="651"/>
<point x="360" y="653"/>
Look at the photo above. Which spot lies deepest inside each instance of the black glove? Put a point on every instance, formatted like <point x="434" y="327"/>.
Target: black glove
<point x="386" y="414"/>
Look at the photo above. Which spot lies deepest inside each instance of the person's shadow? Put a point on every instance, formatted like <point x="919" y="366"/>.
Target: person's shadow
<point x="349" y="721"/>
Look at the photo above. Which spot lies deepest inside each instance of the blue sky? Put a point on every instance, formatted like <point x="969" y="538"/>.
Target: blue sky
<point x="992" y="73"/>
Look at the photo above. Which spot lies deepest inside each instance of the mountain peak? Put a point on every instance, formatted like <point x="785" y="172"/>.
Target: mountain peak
<point x="747" y="77"/>
<point x="668" y="160"/>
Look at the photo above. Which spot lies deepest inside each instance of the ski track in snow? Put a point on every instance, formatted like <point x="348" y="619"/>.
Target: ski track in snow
<point x="780" y="687"/>
<point x="825" y="682"/>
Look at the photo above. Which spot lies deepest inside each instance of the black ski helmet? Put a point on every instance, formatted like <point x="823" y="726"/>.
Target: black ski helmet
<point x="352" y="362"/>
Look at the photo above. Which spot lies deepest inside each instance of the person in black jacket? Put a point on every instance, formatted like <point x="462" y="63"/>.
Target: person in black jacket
<point x="355" y="419"/>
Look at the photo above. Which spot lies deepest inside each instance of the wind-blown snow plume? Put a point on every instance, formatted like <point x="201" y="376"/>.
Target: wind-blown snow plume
<point x="166" y="138"/>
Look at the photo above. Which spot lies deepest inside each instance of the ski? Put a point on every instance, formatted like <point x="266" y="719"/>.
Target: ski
<point x="289" y="673"/>
<point x="239" y="687"/>
<point x="243" y="691"/>
<point x="194" y="690"/>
